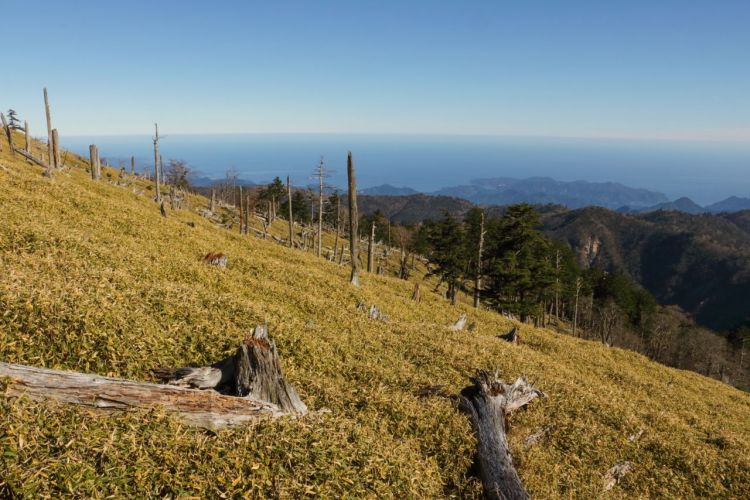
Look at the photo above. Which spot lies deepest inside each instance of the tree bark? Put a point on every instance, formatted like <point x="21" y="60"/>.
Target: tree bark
<point x="27" y="136"/>
<point x="291" y="217"/>
<point x="156" y="162"/>
<point x="32" y="158"/>
<point x="371" y="248"/>
<point x="353" y="221"/>
<point x="132" y="166"/>
<point x="8" y="134"/>
<point x="478" y="278"/>
<point x="51" y="159"/>
<point x="254" y="371"/>
<point x="207" y="409"/>
<point x="242" y="207"/>
<point x="486" y="402"/>
<point x="94" y="161"/>
<point x="56" y="147"/>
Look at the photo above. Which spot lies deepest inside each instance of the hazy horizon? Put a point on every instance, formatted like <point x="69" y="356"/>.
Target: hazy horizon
<point x="706" y="172"/>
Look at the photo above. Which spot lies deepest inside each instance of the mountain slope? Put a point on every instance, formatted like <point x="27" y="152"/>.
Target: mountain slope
<point x="94" y="279"/>
<point x="699" y="262"/>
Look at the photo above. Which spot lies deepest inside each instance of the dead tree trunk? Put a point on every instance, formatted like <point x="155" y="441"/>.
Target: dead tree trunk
<point x="32" y="158"/>
<point x="254" y="371"/>
<point x="575" y="307"/>
<point x="132" y="166"/>
<point x="51" y="158"/>
<point x="321" y="174"/>
<point x="415" y="294"/>
<point x="94" y="161"/>
<point x="207" y="409"/>
<point x="371" y="248"/>
<point x="290" y="213"/>
<point x="8" y="133"/>
<point x="27" y="137"/>
<point x="242" y="206"/>
<point x="480" y="248"/>
<point x="56" y="147"/>
<point x="338" y="227"/>
<point x="353" y="221"/>
<point x="156" y="162"/>
<point x="486" y="402"/>
<point x="212" y="206"/>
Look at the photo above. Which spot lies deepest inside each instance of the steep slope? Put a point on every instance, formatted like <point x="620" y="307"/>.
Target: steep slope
<point x="92" y="278"/>
<point x="699" y="262"/>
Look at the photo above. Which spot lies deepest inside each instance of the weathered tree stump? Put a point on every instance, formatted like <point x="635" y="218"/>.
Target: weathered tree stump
<point x="511" y="336"/>
<point x="459" y="325"/>
<point x="254" y="371"/>
<point x="486" y="402"/>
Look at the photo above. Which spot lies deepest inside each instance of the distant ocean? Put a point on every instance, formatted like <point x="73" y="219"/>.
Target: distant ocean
<point x="705" y="172"/>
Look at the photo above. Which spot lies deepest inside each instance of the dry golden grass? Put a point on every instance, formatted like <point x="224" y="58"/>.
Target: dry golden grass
<point x="93" y="279"/>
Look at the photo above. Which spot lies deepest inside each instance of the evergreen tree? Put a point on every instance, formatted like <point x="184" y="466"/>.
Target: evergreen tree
<point x="13" y="121"/>
<point x="447" y="253"/>
<point x="519" y="265"/>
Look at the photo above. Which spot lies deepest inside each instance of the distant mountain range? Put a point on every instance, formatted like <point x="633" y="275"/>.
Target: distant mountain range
<point x="684" y="204"/>
<point x="576" y="194"/>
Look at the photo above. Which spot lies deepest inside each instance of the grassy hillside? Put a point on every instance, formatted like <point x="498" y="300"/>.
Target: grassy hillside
<point x="92" y="278"/>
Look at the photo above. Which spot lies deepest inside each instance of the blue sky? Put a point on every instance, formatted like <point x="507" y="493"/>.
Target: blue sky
<point x="641" y="69"/>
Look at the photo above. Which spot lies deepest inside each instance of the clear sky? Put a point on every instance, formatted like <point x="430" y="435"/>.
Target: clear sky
<point x="646" y="69"/>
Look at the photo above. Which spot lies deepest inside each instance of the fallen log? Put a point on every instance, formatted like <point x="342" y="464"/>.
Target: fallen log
<point x="241" y="387"/>
<point x="31" y="157"/>
<point x="206" y="409"/>
<point x="486" y="402"/>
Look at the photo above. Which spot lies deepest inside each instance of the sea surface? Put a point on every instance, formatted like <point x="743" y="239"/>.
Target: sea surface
<point x="704" y="171"/>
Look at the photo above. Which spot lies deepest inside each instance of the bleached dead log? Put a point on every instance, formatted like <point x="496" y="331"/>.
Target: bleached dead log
<point x="613" y="475"/>
<point x="254" y="371"/>
<point x="511" y="336"/>
<point x="487" y="401"/>
<point x="207" y="409"/>
<point x="537" y="436"/>
<point x="459" y="325"/>
<point x="32" y="158"/>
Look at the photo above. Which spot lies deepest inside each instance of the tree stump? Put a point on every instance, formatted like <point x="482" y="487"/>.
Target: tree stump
<point x="253" y="372"/>
<point x="511" y="336"/>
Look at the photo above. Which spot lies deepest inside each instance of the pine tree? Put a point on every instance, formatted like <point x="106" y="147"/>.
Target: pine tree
<point x="447" y="253"/>
<point x="13" y="121"/>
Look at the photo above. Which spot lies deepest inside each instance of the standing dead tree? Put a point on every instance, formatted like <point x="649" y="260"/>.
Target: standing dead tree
<point x="320" y="173"/>
<point x="371" y="248"/>
<point x="132" y="166"/>
<point x="8" y="134"/>
<point x="487" y="402"/>
<point x="27" y="137"/>
<point x="155" y="138"/>
<point x="480" y="248"/>
<point x="96" y="169"/>
<point x="353" y="221"/>
<point x="51" y="155"/>
<point x="56" y="147"/>
<point x="290" y="214"/>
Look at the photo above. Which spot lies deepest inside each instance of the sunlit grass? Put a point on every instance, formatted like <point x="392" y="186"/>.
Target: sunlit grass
<point x="92" y="278"/>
